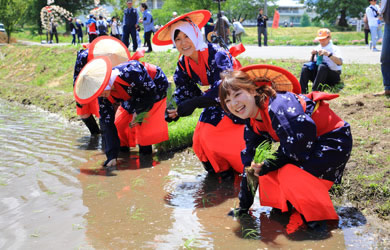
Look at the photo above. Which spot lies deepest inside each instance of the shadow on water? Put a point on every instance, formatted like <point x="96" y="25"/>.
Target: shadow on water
<point x="210" y="190"/>
<point x="266" y="225"/>
<point x="126" y="161"/>
<point x="93" y="142"/>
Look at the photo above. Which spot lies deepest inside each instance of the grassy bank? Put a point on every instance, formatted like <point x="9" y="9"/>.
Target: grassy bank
<point x="296" y="36"/>
<point x="42" y="76"/>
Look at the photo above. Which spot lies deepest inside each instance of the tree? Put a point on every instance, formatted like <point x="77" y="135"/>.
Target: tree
<point x="246" y="9"/>
<point x="76" y="7"/>
<point x="11" y="12"/>
<point x="333" y="10"/>
<point x="305" y="21"/>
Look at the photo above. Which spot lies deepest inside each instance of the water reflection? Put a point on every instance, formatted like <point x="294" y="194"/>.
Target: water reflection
<point x="54" y="194"/>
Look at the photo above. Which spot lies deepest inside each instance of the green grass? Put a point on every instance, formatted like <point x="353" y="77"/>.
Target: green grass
<point x="297" y="36"/>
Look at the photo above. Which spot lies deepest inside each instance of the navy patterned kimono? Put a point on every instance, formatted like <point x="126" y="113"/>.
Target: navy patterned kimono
<point x="188" y="87"/>
<point x="323" y="156"/>
<point x="81" y="61"/>
<point x="143" y="92"/>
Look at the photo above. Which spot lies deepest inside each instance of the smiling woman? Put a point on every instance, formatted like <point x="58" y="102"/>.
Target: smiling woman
<point x="315" y="144"/>
<point x="200" y="65"/>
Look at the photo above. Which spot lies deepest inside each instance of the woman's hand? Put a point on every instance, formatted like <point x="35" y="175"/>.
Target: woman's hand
<point x="172" y="113"/>
<point x="133" y="123"/>
<point x="257" y="167"/>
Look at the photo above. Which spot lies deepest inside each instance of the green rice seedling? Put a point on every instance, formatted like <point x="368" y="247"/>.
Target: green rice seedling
<point x="188" y="242"/>
<point x="140" y="118"/>
<point x="263" y="152"/>
<point x="136" y="214"/>
<point x="250" y="233"/>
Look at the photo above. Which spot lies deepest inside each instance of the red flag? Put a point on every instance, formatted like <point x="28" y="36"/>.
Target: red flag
<point x="275" y="23"/>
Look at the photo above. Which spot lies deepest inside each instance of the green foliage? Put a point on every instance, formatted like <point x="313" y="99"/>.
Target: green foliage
<point x="336" y="12"/>
<point x="11" y="11"/>
<point x="305" y="20"/>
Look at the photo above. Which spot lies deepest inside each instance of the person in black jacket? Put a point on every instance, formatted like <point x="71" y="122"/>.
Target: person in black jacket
<point x="262" y="27"/>
<point x="130" y="24"/>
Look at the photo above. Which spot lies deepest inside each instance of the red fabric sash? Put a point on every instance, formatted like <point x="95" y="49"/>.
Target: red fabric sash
<point x="200" y="67"/>
<point x="117" y="91"/>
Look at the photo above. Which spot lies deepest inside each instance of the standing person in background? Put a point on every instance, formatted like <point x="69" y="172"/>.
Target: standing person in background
<point x="79" y="31"/>
<point x="72" y="29"/>
<point x="221" y="27"/>
<point x="373" y="16"/>
<point x="385" y="54"/>
<point x="238" y="29"/>
<point x="148" y="25"/>
<point x="114" y="28"/>
<point x="130" y="24"/>
<point x="366" y="28"/>
<point x="209" y="27"/>
<point x="102" y="26"/>
<point x="262" y="27"/>
<point x="91" y="25"/>
<point x="53" y="30"/>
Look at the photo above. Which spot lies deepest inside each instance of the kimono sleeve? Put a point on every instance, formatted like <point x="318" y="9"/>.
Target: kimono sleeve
<point x="185" y="87"/>
<point x="252" y="140"/>
<point x="81" y="61"/>
<point x="295" y="129"/>
<point x="222" y="61"/>
<point x="142" y="89"/>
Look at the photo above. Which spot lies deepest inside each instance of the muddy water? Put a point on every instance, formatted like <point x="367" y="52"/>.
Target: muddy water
<point x="54" y="195"/>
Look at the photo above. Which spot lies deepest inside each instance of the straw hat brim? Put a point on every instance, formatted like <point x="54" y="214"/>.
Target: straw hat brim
<point x="277" y="77"/>
<point x="163" y="35"/>
<point x="210" y="34"/>
<point x="92" y="80"/>
<point x="111" y="47"/>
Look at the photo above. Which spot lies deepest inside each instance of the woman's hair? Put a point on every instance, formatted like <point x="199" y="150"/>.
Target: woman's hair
<point x="144" y="5"/>
<point x="236" y="80"/>
<point x="176" y="34"/>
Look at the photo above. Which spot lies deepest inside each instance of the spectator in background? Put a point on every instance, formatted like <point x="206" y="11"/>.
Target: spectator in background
<point x="102" y="26"/>
<point x="262" y="27"/>
<point x="130" y="24"/>
<point x="114" y="28"/>
<point x="385" y="55"/>
<point x="174" y="15"/>
<point x="373" y="16"/>
<point x="366" y="28"/>
<point x="327" y="69"/>
<point x="238" y="29"/>
<point x="72" y="29"/>
<point x="221" y="27"/>
<point x="209" y="27"/>
<point x="148" y="25"/>
<point x="79" y="31"/>
<point x="91" y="24"/>
<point x="53" y="30"/>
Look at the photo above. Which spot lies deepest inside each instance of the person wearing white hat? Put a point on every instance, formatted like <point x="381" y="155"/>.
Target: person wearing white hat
<point x="102" y="46"/>
<point x="128" y="82"/>
<point x="198" y="68"/>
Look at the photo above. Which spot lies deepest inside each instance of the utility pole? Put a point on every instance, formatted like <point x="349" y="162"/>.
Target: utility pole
<point x="265" y="8"/>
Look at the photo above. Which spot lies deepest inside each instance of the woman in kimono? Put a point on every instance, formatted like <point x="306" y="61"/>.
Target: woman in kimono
<point x="127" y="82"/>
<point x="198" y="68"/>
<point x="315" y="144"/>
<point x="102" y="46"/>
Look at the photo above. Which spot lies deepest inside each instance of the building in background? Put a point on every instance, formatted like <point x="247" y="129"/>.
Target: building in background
<point x="291" y="12"/>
